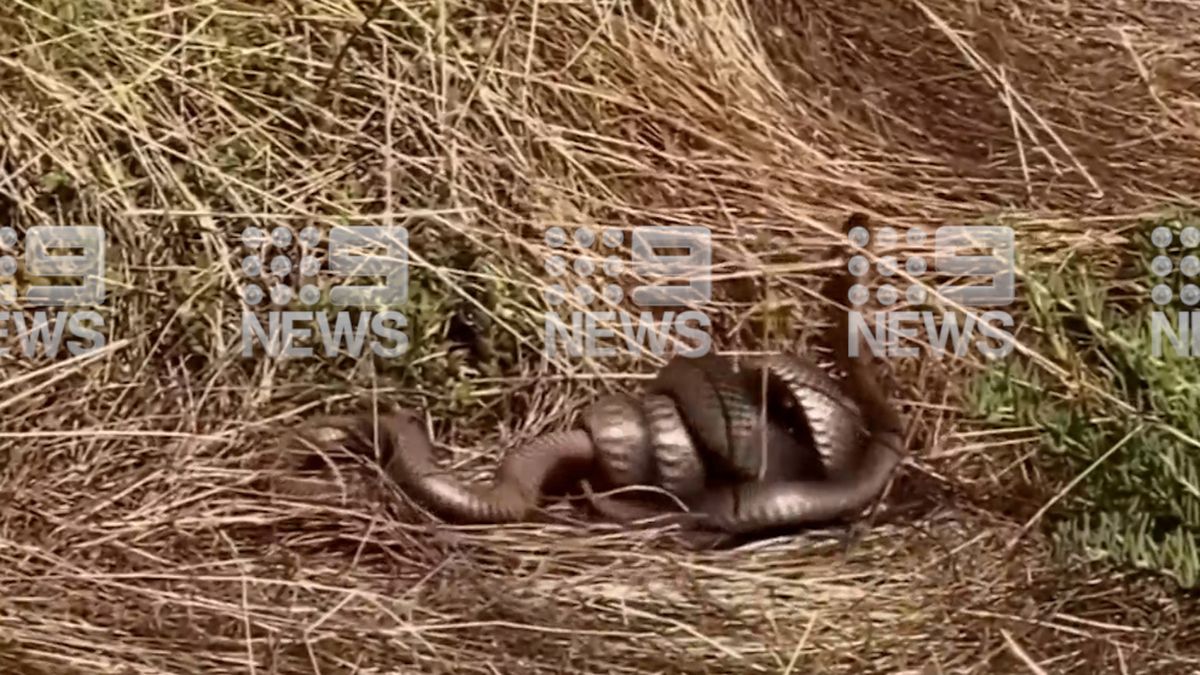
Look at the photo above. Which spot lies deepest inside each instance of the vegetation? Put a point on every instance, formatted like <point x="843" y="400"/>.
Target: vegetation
<point x="1127" y="435"/>
<point x="136" y="536"/>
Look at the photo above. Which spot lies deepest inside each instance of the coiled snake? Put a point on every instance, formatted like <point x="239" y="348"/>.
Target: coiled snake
<point x="776" y="443"/>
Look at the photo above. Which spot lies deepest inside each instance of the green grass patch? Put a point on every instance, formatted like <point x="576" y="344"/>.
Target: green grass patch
<point x="1123" y="435"/>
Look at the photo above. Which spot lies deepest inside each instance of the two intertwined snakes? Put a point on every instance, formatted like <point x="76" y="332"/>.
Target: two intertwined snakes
<point x="774" y="442"/>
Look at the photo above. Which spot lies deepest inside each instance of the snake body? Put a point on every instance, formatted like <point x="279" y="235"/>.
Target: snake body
<point x="854" y="436"/>
<point x="776" y="443"/>
<point x="626" y="442"/>
<point x="523" y="475"/>
<point x="713" y="399"/>
<point x="857" y="472"/>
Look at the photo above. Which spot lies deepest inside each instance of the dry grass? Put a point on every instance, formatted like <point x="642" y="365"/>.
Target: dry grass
<point x="132" y="538"/>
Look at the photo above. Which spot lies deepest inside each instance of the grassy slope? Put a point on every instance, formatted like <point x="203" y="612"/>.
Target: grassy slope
<point x="132" y="540"/>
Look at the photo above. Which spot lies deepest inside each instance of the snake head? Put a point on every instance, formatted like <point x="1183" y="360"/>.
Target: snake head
<point x="312" y="473"/>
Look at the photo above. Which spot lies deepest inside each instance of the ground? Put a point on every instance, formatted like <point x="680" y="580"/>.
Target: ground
<point x="135" y="536"/>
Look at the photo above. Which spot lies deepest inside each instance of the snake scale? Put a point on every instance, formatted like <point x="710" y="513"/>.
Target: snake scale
<point x="775" y="443"/>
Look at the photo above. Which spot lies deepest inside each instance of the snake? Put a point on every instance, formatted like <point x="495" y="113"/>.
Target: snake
<point x="776" y="443"/>
<point x="856" y="478"/>
<point x="624" y="442"/>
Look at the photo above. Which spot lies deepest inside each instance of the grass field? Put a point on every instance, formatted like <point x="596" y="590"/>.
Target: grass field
<point x="134" y="533"/>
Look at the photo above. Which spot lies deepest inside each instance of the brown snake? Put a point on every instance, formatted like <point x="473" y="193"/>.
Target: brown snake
<point x="777" y="443"/>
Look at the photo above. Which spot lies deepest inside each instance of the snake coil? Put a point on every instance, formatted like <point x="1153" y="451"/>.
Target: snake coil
<point x="777" y="443"/>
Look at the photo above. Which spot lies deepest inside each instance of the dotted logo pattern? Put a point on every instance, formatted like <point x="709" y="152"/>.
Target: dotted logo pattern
<point x="556" y="265"/>
<point x="353" y="251"/>
<point x="648" y="245"/>
<point x="273" y="271"/>
<point x="8" y="265"/>
<point x="887" y="294"/>
<point x="1162" y="266"/>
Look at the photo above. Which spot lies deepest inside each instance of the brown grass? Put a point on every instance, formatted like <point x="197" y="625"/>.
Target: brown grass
<point x="132" y="538"/>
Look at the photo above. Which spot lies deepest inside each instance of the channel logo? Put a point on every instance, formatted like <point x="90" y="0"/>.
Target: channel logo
<point x="1175" y="294"/>
<point x="943" y="331"/>
<point x="45" y="317"/>
<point x="676" y="263"/>
<point x="291" y="279"/>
